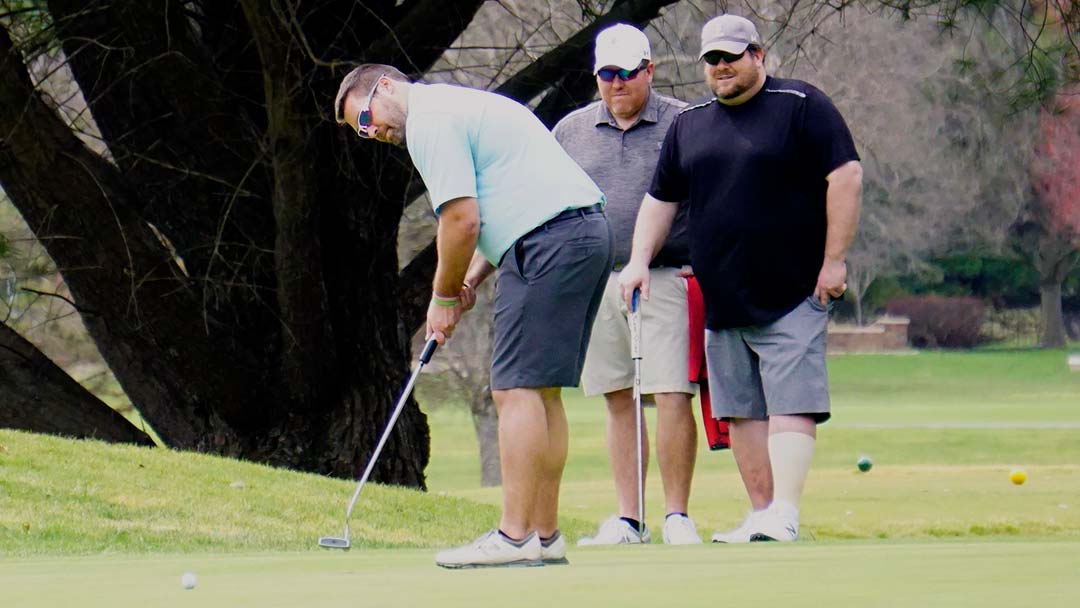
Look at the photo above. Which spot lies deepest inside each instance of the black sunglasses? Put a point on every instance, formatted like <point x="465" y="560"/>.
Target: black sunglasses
<point x="715" y="57"/>
<point x="609" y="74"/>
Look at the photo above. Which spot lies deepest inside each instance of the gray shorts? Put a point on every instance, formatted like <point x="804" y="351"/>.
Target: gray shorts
<point x="774" y="369"/>
<point x="549" y="287"/>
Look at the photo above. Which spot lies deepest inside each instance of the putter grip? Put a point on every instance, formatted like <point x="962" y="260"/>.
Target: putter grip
<point x="635" y="327"/>
<point x="429" y="349"/>
<point x="634" y="300"/>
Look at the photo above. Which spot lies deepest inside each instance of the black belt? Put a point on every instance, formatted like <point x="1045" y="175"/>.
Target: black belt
<point x="572" y="213"/>
<point x="618" y="267"/>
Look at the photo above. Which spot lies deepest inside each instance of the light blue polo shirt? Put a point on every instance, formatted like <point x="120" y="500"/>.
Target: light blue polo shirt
<point x="467" y="142"/>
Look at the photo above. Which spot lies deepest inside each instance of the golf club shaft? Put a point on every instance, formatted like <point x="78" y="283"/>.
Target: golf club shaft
<point x="425" y="356"/>
<point x="635" y="354"/>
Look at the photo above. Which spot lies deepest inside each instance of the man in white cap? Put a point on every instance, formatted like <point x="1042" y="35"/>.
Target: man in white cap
<point x="617" y="141"/>
<point x="775" y="188"/>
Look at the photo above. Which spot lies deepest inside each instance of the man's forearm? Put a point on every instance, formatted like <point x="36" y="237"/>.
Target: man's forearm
<point x="843" y="205"/>
<point x="459" y="228"/>
<point x="651" y="228"/>
<point x="479" y="270"/>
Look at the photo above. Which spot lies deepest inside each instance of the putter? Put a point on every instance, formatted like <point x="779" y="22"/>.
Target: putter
<point x="333" y="542"/>
<point x="635" y="354"/>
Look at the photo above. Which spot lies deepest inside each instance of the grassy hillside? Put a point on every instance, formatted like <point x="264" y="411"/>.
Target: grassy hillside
<point x="64" y="497"/>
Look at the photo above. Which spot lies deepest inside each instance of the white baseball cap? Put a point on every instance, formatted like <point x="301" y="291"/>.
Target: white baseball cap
<point x="623" y="46"/>
<point x="728" y="33"/>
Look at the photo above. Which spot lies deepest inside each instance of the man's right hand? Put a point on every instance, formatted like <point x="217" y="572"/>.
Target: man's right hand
<point x="635" y="275"/>
<point x="441" y="321"/>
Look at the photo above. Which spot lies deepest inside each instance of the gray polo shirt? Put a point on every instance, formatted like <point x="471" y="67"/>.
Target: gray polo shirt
<point x="622" y="164"/>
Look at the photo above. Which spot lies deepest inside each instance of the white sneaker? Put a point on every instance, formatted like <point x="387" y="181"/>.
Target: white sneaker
<point x="615" y="531"/>
<point x="492" y="550"/>
<point x="553" y="551"/>
<point x="743" y="533"/>
<point x="680" y="530"/>
<point x="780" y="523"/>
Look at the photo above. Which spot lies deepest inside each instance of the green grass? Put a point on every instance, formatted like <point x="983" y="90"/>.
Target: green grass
<point x="935" y="522"/>
<point x="65" y="497"/>
<point x="944" y="430"/>
<point x="857" y="574"/>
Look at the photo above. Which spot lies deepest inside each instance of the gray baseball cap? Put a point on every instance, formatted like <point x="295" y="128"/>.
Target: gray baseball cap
<point x="728" y="33"/>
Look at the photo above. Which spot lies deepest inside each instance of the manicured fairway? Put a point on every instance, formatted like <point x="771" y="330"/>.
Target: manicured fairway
<point x="944" y="430"/>
<point x="1006" y="574"/>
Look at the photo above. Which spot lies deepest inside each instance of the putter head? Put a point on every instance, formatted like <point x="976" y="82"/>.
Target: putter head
<point x="332" y="542"/>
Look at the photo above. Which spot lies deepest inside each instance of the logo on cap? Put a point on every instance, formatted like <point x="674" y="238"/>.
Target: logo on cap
<point x="623" y="46"/>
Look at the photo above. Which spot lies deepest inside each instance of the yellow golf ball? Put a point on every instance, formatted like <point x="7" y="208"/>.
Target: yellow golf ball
<point x="1018" y="476"/>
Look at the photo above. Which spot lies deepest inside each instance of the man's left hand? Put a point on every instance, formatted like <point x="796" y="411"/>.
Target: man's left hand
<point x="831" y="281"/>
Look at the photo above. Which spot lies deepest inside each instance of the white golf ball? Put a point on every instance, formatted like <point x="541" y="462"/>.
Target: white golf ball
<point x="188" y="580"/>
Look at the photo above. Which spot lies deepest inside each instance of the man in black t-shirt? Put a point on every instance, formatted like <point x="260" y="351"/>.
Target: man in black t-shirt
<point x="775" y="186"/>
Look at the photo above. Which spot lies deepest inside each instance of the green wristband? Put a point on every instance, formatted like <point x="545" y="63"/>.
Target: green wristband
<point x="444" y="301"/>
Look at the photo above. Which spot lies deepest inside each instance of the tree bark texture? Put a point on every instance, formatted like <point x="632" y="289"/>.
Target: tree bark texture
<point x="40" y="397"/>
<point x="486" y="424"/>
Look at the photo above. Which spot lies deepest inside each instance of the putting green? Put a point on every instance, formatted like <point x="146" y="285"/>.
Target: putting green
<point x="998" y="573"/>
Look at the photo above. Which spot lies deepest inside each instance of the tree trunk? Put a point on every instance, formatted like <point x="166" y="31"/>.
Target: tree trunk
<point x="486" y="424"/>
<point x="40" y="397"/>
<point x="1053" y="319"/>
<point x="1056" y="257"/>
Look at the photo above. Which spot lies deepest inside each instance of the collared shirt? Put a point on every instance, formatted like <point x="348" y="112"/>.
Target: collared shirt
<point x="472" y="143"/>
<point x="622" y="164"/>
<point x="755" y="175"/>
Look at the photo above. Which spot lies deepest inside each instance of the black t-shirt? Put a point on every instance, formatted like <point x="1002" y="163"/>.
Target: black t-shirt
<point x="755" y="178"/>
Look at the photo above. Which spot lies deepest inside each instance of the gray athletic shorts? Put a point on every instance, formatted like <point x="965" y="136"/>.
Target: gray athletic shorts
<point x="774" y="369"/>
<point x="549" y="286"/>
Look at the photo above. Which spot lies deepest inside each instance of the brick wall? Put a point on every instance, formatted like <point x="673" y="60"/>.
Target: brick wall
<point x="887" y="334"/>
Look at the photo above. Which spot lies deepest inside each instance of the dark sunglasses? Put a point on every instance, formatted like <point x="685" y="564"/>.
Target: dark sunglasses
<point x="609" y="74"/>
<point x="715" y="57"/>
<point x="363" y="117"/>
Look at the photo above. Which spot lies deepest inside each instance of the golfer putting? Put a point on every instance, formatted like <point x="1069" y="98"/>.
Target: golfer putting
<point x="508" y="199"/>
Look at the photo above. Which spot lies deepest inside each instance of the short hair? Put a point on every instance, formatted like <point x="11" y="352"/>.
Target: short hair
<point x="362" y="78"/>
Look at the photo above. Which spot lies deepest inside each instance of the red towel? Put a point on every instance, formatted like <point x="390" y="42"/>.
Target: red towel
<point x="716" y="431"/>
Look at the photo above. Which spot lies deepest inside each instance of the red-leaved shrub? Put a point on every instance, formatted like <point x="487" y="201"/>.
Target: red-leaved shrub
<point x="939" y="321"/>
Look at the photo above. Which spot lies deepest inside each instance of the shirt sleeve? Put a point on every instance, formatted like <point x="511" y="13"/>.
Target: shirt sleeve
<point x="559" y="131"/>
<point x="440" y="148"/>
<point x="670" y="183"/>
<point x="826" y="135"/>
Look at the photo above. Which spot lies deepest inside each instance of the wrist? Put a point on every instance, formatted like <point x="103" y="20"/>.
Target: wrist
<point x="446" y="301"/>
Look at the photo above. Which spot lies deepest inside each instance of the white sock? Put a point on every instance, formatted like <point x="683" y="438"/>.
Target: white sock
<point x="790" y="453"/>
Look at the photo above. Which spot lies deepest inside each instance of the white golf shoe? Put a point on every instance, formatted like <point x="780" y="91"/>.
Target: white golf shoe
<point x="680" y="530"/>
<point x="553" y="550"/>
<point x="743" y="533"/>
<point x="615" y="531"/>
<point x="780" y="523"/>
<point x="493" y="550"/>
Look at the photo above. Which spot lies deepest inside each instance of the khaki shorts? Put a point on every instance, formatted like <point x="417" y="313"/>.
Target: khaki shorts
<point x="664" y="339"/>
